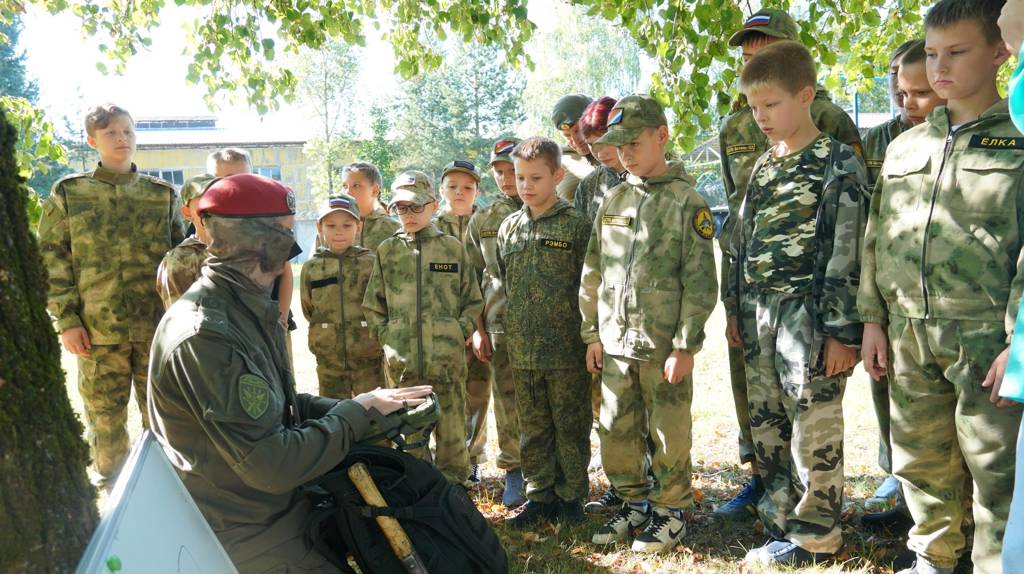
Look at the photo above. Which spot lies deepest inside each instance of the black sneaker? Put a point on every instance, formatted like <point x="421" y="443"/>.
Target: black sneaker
<point x="570" y="513"/>
<point x="896" y="520"/>
<point x="744" y="505"/>
<point x="777" y="552"/>
<point x="531" y="513"/>
<point x="610" y="500"/>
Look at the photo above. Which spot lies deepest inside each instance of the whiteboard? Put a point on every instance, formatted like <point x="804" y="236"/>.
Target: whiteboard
<point x="151" y="524"/>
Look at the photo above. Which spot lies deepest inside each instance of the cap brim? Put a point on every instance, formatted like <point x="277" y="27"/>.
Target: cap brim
<point x="501" y="158"/>
<point x="473" y="174"/>
<point x="327" y="212"/>
<point x="620" y="137"/>
<point x="736" y="39"/>
<point x="408" y="195"/>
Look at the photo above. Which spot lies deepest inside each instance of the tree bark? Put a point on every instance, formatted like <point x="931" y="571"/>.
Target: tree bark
<point x="47" y="504"/>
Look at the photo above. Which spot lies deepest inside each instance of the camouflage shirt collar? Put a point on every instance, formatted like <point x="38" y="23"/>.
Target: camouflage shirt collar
<point x="113" y="178"/>
<point x="446" y="214"/>
<point x="245" y="291"/>
<point x="676" y="170"/>
<point x="351" y="252"/>
<point x="510" y="201"/>
<point x="190" y="241"/>
<point x="377" y="212"/>
<point x="426" y="233"/>
<point x="559" y="206"/>
<point x="1000" y="111"/>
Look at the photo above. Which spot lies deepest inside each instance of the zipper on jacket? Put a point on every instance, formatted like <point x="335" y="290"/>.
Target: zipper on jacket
<point x="629" y="262"/>
<point x="533" y="274"/>
<point x="344" y="324"/>
<point x="928" y="222"/>
<point x="419" y="309"/>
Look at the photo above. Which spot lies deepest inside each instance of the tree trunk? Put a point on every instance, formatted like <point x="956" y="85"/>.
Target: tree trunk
<point x="47" y="504"/>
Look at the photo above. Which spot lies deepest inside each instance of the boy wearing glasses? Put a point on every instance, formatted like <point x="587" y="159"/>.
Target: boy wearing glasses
<point x="422" y="303"/>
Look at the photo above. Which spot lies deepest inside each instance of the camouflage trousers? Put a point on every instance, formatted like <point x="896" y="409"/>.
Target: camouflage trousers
<point x="105" y="381"/>
<point x="796" y="420"/>
<point x="738" y="378"/>
<point x="450" y="454"/>
<point x="880" y="398"/>
<point x="638" y="407"/>
<point x="942" y="418"/>
<point x="555" y="420"/>
<point x="498" y="382"/>
<point x="341" y="381"/>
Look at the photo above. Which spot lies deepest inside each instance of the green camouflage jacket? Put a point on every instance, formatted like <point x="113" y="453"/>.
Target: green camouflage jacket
<point x="648" y="282"/>
<point x="422" y="303"/>
<point x="482" y="249"/>
<point x="592" y="190"/>
<point x="876" y="141"/>
<point x="377" y="227"/>
<point x="944" y="233"/>
<point x="179" y="269"/>
<point x="576" y="167"/>
<point x="839" y="226"/>
<point x="102" y="236"/>
<point x="331" y="290"/>
<point x="455" y="225"/>
<point x="541" y="260"/>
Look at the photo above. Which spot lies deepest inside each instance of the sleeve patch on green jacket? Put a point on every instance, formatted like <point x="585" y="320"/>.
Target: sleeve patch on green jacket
<point x="740" y="148"/>
<point x="704" y="223"/>
<point x="488" y="233"/>
<point x="996" y="142"/>
<point x="556" y="244"/>
<point x="444" y="267"/>
<point x="254" y="395"/>
<point x="617" y="220"/>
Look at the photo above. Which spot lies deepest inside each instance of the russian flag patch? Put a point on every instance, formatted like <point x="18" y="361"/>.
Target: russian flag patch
<point x="758" y="21"/>
<point x="340" y="202"/>
<point x="615" y="118"/>
<point x="503" y="147"/>
<point x="405" y="180"/>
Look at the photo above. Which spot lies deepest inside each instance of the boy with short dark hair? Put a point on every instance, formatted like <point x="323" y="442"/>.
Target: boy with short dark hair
<point x="228" y="161"/>
<point x="332" y="286"/>
<point x="363" y="181"/>
<point x="941" y="281"/>
<point x="648" y="286"/>
<point x="180" y="266"/>
<point x="102" y="236"/>
<point x="792" y="301"/>
<point x="422" y="303"/>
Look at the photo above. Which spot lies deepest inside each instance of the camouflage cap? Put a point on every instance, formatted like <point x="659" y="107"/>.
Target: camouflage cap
<point x="412" y="186"/>
<point x="195" y="187"/>
<point x="569" y="109"/>
<point x="462" y="166"/>
<point x="502" y="150"/>
<point x="770" y="22"/>
<point x="341" y="202"/>
<point x="630" y="117"/>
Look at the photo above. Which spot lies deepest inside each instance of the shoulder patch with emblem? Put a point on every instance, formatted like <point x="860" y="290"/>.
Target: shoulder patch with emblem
<point x="996" y="142"/>
<point x="740" y="148"/>
<point x="616" y="220"/>
<point x="254" y="395"/>
<point x="444" y="267"/>
<point x="704" y="223"/>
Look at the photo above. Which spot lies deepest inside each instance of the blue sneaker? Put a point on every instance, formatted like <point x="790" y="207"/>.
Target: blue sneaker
<point x="744" y="506"/>
<point x="887" y="493"/>
<point x="515" y="489"/>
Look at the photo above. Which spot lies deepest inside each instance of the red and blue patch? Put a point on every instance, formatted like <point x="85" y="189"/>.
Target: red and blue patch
<point x="615" y="118"/>
<point x="339" y="203"/>
<point x="758" y="21"/>
<point x="504" y="147"/>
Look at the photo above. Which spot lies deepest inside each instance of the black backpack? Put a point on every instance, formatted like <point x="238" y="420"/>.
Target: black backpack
<point x="447" y="530"/>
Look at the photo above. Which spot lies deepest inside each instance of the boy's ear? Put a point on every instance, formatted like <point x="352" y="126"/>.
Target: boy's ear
<point x="1002" y="53"/>
<point x="375" y="190"/>
<point x="807" y="95"/>
<point x="663" y="135"/>
<point x="320" y="226"/>
<point x="186" y="212"/>
<point x="559" y="175"/>
<point x="91" y="141"/>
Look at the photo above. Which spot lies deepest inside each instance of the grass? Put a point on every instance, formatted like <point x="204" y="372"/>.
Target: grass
<point x="709" y="547"/>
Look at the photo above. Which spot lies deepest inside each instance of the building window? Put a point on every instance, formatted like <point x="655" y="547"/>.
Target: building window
<point x="175" y="176"/>
<point x="271" y="171"/>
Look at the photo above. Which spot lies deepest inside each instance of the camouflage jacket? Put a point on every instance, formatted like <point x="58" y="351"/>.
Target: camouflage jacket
<point x="839" y="223"/>
<point x="179" y="269"/>
<point x="102" y="236"/>
<point x="591" y="191"/>
<point x="945" y="228"/>
<point x="331" y="290"/>
<point x="482" y="249"/>
<point x="576" y="167"/>
<point x="377" y="227"/>
<point x="648" y="282"/>
<point x="741" y="143"/>
<point x="876" y="141"/>
<point x="223" y="405"/>
<point x="455" y="225"/>
<point x="422" y="303"/>
<point x="541" y="260"/>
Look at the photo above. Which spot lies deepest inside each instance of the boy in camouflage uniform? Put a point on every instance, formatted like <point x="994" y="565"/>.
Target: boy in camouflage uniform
<point x="878" y="137"/>
<point x="540" y="254"/>
<point x="332" y="285"/>
<point x="647" y="288"/>
<point x="101" y="294"/>
<point x="180" y="267"/>
<point x="576" y="158"/>
<point x="792" y="302"/>
<point x="941" y="284"/>
<point x="363" y="182"/>
<point x="422" y="303"/>
<point x="489" y="342"/>
<point x="741" y="144"/>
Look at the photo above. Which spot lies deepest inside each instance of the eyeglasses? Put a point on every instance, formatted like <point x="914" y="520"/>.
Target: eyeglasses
<point x="404" y="209"/>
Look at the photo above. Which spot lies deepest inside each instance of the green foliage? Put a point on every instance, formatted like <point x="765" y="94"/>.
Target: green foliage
<point x="37" y="146"/>
<point x="379" y="150"/>
<point x="13" y="81"/>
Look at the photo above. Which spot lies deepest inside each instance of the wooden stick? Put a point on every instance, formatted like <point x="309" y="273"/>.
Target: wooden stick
<point x="393" y="531"/>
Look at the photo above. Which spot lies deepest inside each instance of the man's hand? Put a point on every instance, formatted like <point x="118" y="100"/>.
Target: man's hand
<point x="482" y="346"/>
<point x="387" y="401"/>
<point x="732" y="332"/>
<point x="76" y="341"/>
<point x="875" y="350"/>
<point x="595" y="357"/>
<point x="994" y="379"/>
<point x="838" y="357"/>
<point x="677" y="366"/>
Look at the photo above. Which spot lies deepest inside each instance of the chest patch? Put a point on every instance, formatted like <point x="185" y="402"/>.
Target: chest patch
<point x="444" y="267"/>
<point x="488" y="233"/>
<point x="995" y="142"/>
<point x="556" y="244"/>
<point x="740" y="148"/>
<point x="874" y="163"/>
<point x="254" y="395"/>
<point x="704" y="223"/>
<point x="616" y="220"/>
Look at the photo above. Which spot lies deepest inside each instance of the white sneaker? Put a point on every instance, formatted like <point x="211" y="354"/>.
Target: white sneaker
<point x="663" y="532"/>
<point x="620" y="525"/>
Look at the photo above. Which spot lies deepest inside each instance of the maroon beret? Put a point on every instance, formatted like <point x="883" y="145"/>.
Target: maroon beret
<point x="247" y="195"/>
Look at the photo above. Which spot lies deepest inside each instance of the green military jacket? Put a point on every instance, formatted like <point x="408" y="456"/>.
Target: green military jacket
<point x="944" y="233"/>
<point x="648" y="281"/>
<point x="741" y="143"/>
<point x="839" y="226"/>
<point x="223" y="405"/>
<point x="179" y="269"/>
<point x="576" y="167"/>
<point x="541" y="260"/>
<point x="422" y="303"/>
<point x="455" y="225"/>
<point x="102" y="236"/>
<point x="876" y="141"/>
<point x="377" y="227"/>
<point x="482" y="249"/>
<point x="592" y="190"/>
<point x="331" y="290"/>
